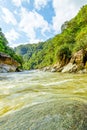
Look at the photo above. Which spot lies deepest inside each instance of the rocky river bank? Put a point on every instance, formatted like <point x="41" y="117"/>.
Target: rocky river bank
<point x="7" y="64"/>
<point x="77" y="63"/>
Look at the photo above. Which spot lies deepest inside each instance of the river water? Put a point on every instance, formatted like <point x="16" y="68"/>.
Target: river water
<point x="32" y="88"/>
<point x="18" y="90"/>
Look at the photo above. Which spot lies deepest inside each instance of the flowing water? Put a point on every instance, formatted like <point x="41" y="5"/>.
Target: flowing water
<point x="39" y="93"/>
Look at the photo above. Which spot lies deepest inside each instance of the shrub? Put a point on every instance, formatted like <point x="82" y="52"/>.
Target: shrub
<point x="63" y="52"/>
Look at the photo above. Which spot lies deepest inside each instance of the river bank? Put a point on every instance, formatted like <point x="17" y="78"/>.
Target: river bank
<point x="76" y="64"/>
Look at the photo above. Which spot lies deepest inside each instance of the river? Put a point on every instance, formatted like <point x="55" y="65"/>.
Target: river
<point x="36" y="100"/>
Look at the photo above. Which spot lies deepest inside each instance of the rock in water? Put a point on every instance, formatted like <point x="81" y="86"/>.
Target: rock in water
<point x="55" y="115"/>
<point x="70" y="68"/>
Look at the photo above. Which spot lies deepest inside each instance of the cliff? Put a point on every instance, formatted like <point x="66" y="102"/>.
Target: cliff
<point x="8" y="64"/>
<point x="77" y="63"/>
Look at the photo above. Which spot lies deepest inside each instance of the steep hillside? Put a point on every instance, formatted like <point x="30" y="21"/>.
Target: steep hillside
<point x="60" y="48"/>
<point x="26" y="50"/>
<point x="8" y="58"/>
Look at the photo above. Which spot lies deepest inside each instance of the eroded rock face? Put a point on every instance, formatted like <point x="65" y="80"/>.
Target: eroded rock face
<point x="79" y="57"/>
<point x="70" y="68"/>
<point x="77" y="63"/>
<point x="7" y="68"/>
<point x="7" y="64"/>
<point x="5" y="59"/>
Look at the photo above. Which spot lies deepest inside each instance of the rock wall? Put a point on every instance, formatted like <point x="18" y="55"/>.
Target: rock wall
<point x="7" y="64"/>
<point x="77" y="63"/>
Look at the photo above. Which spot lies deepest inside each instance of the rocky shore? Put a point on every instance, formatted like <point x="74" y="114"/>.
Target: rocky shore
<point x="77" y="63"/>
<point x="8" y="64"/>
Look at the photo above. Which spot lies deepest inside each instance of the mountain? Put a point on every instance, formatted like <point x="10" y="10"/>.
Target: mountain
<point x="60" y="48"/>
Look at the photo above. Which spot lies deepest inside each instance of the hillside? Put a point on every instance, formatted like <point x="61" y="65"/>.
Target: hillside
<point x="59" y="49"/>
<point x="9" y="61"/>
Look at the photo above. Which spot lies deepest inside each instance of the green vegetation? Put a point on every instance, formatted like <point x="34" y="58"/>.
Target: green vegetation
<point x="64" y="53"/>
<point x="4" y="48"/>
<point x="73" y="37"/>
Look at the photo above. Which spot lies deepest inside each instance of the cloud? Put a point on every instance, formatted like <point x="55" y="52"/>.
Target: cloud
<point x="12" y="35"/>
<point x="19" y="2"/>
<point x="40" y="4"/>
<point x="79" y="3"/>
<point x="8" y="17"/>
<point x="64" y="11"/>
<point x="32" y="21"/>
<point x="15" y="44"/>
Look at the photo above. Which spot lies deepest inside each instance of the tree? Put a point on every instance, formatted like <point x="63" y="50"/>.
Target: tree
<point x="63" y="53"/>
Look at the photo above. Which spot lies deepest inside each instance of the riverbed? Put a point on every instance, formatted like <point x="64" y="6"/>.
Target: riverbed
<point x="36" y="100"/>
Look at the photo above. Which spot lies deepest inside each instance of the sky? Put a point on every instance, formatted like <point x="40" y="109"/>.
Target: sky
<point x="33" y="21"/>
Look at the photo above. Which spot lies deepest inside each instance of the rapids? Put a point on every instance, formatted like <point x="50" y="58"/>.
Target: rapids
<point x="42" y="101"/>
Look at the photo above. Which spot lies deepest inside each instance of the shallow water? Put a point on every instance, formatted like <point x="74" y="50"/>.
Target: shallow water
<point x="24" y="89"/>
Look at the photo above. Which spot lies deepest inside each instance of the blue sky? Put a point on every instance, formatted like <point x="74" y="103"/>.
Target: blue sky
<point x="32" y="21"/>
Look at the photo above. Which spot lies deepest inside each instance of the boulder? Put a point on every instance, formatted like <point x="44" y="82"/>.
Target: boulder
<point x="7" y="64"/>
<point x="69" y="68"/>
<point x="7" y="68"/>
<point x="53" y="70"/>
<point x="48" y="68"/>
<point x="63" y="114"/>
<point x="82" y="71"/>
<point x="57" y="68"/>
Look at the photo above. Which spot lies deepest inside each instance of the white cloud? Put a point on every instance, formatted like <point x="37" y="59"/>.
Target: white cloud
<point x="65" y="11"/>
<point x="15" y="44"/>
<point x="11" y="36"/>
<point x="30" y="22"/>
<point x="40" y="3"/>
<point x="19" y="2"/>
<point x="8" y="17"/>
